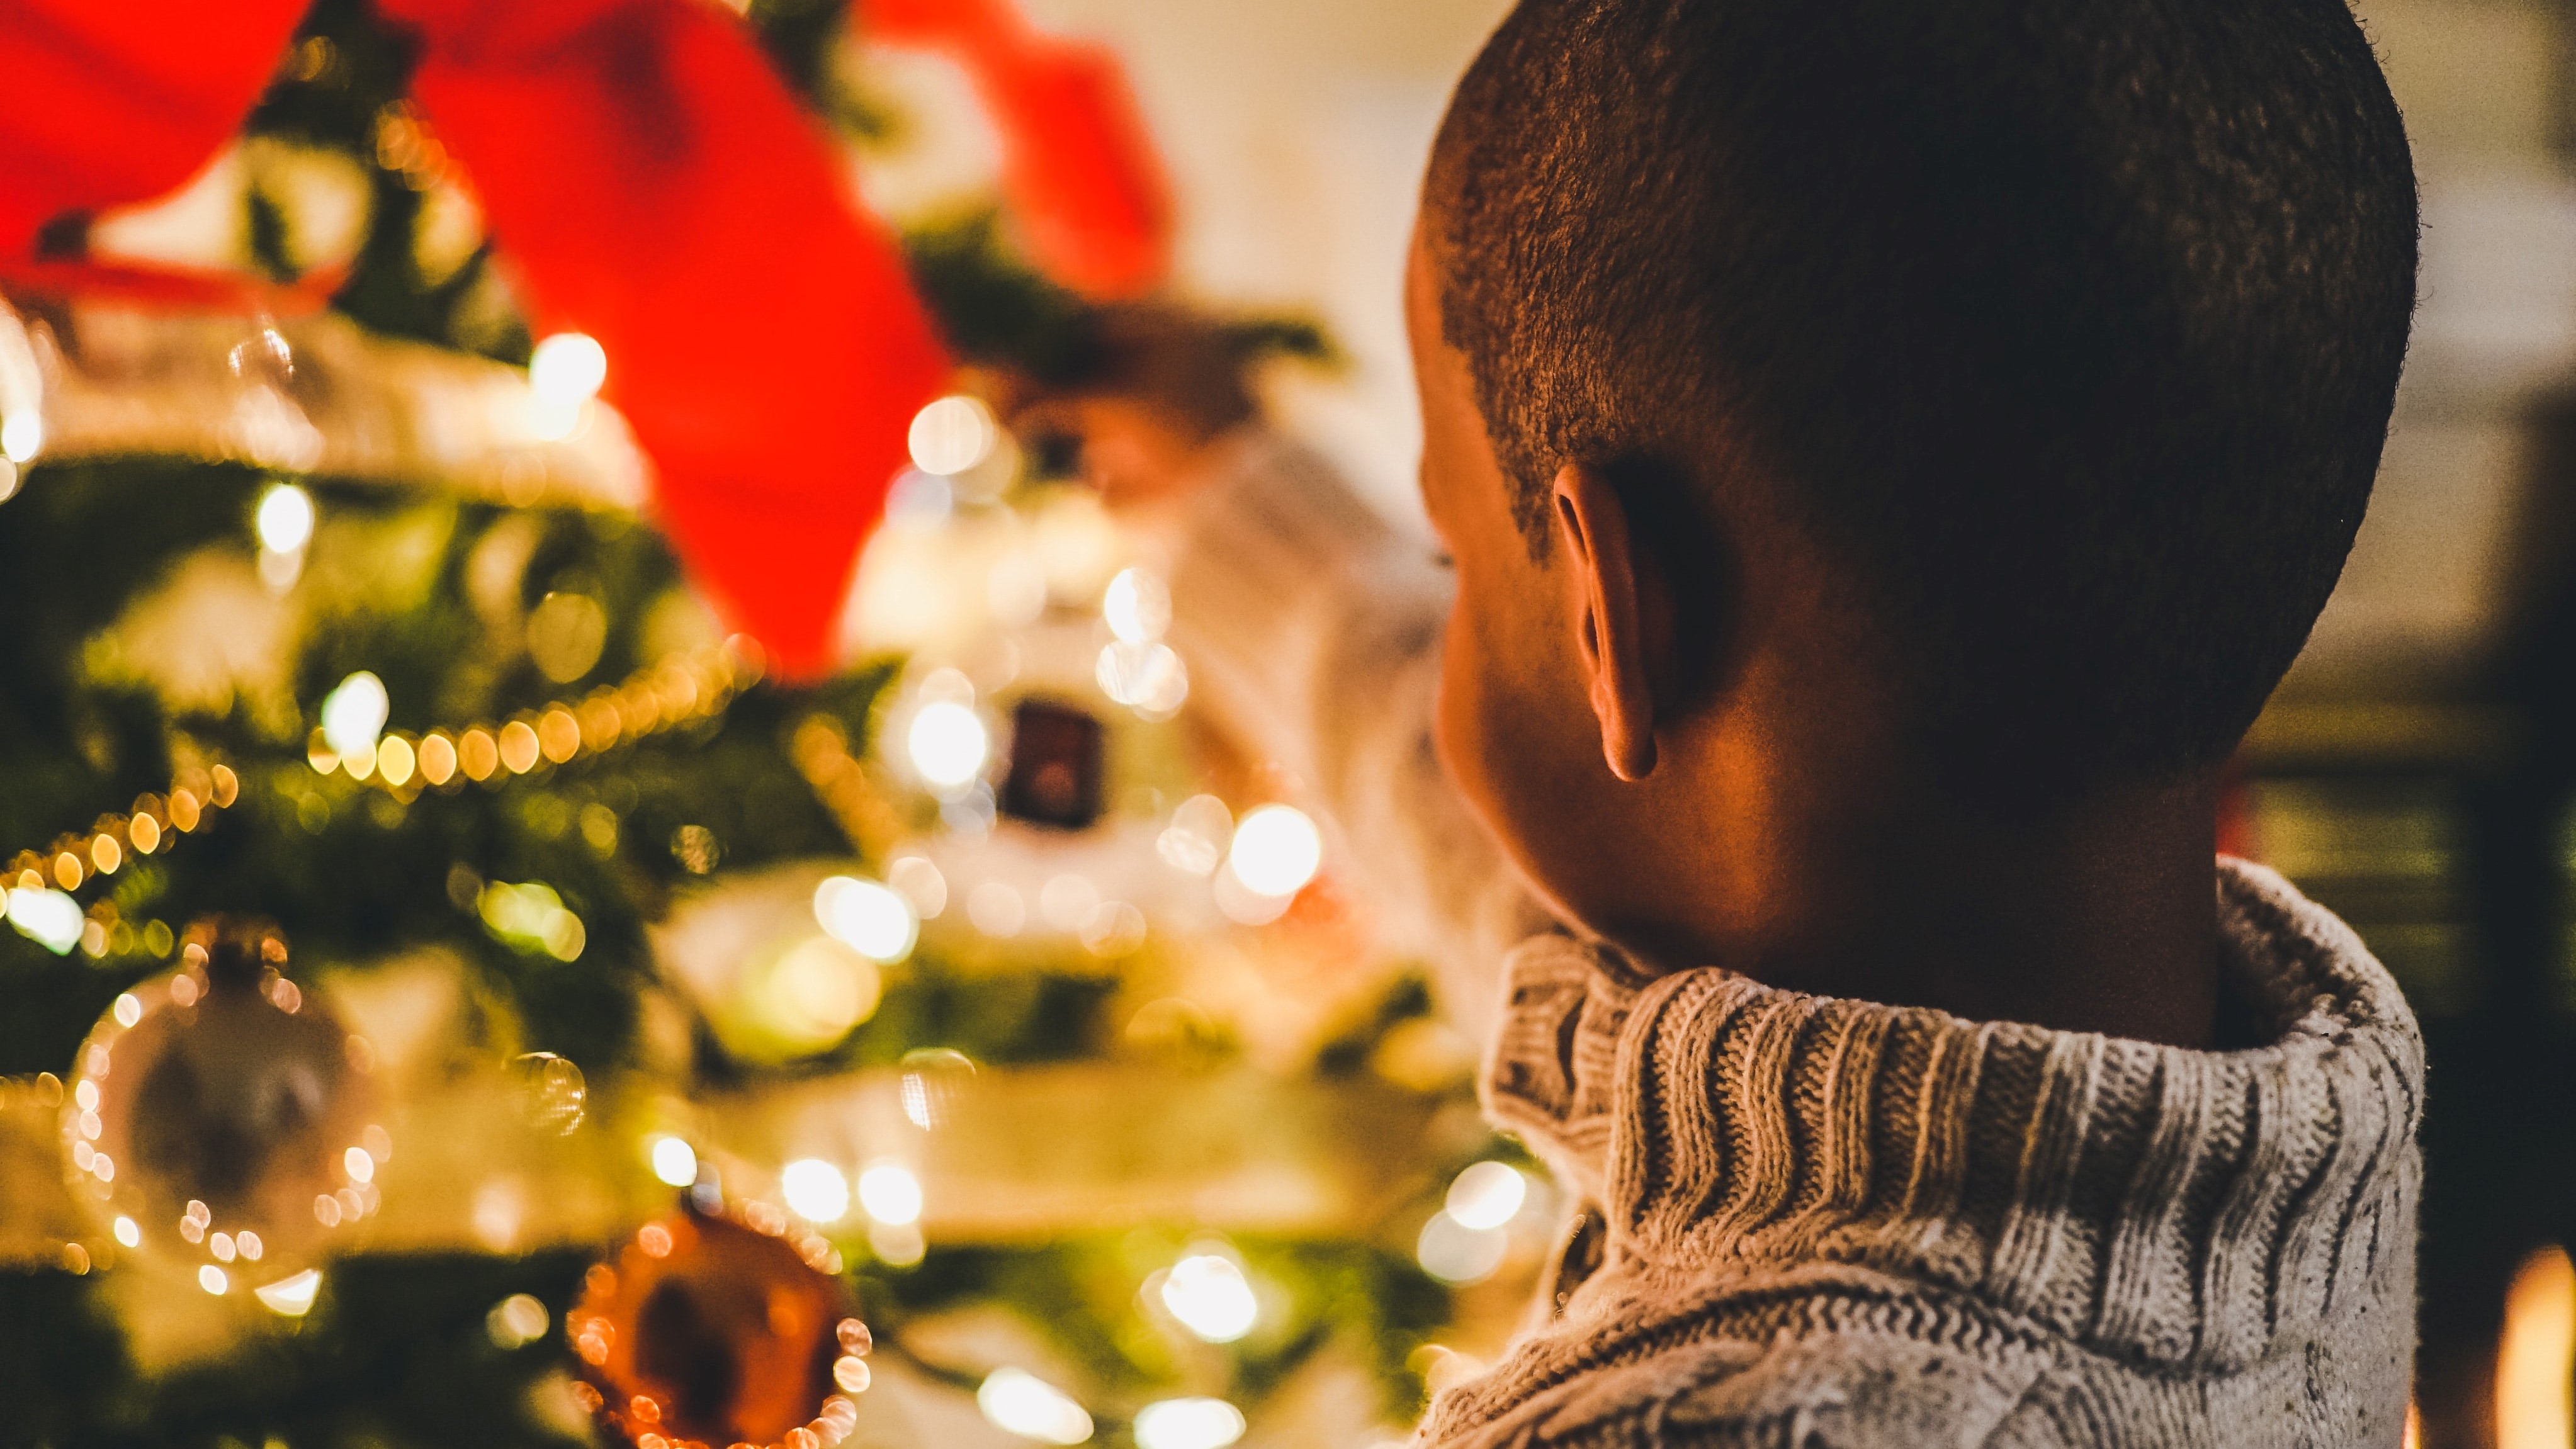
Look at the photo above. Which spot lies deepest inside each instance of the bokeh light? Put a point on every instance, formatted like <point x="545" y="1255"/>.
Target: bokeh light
<point x="2535" y="1406"/>
<point x="815" y="1190"/>
<point x="872" y="919"/>
<point x="1188" y="1424"/>
<point x="816" y="993"/>
<point x="516" y="1321"/>
<point x="285" y="518"/>
<point x="1196" y="839"/>
<point x="353" y="716"/>
<point x="675" y="1163"/>
<point x="1146" y="677"/>
<point x="532" y="918"/>
<point x="952" y="435"/>
<point x="1453" y="1252"/>
<point x="567" y="369"/>
<point x="1208" y="1293"/>
<point x="47" y="917"/>
<point x="933" y="1080"/>
<point x="920" y="884"/>
<point x="1487" y="1195"/>
<point x="552" y="1093"/>
<point x="996" y="909"/>
<point x="1277" y="850"/>
<point x="1016" y="1401"/>
<point x="292" y="1296"/>
<point x="890" y="1193"/>
<point x="22" y="436"/>
<point x="1136" y="606"/>
<point x="947" y="744"/>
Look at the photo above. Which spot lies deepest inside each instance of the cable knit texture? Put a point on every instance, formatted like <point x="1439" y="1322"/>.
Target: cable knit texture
<point x="1831" y="1224"/>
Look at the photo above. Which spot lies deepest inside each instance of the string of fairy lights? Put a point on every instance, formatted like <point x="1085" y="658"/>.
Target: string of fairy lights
<point x="35" y="894"/>
<point x="669" y="694"/>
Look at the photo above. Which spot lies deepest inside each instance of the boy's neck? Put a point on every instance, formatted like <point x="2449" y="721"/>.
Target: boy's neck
<point x="2097" y="915"/>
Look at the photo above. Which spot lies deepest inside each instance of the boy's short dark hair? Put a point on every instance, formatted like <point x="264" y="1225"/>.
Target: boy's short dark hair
<point x="2070" y="327"/>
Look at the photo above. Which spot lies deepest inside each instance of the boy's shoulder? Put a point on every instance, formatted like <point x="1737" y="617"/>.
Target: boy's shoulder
<point x="1842" y="1357"/>
<point x="1823" y="1376"/>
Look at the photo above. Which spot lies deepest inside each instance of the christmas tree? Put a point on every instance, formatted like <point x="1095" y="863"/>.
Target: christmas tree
<point x="437" y="935"/>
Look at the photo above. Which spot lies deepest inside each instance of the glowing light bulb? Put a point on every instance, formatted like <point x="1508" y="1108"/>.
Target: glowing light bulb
<point x="127" y="1233"/>
<point x="564" y="373"/>
<point x="353" y="715"/>
<point x="47" y="917"/>
<point x="1136" y="607"/>
<point x="1148" y="677"/>
<point x="675" y="1163"/>
<point x="515" y="1321"/>
<point x="952" y="435"/>
<point x="1188" y="1424"/>
<point x="947" y="743"/>
<point x="1453" y="1252"/>
<point x="890" y="1193"/>
<point x="1487" y="1195"/>
<point x="568" y="368"/>
<point x="1211" y="1297"/>
<point x="1196" y="839"/>
<point x="22" y="437"/>
<point x="213" y="1280"/>
<point x="2533" y="1404"/>
<point x="1277" y="850"/>
<point x="1016" y="1401"/>
<point x="815" y="1190"/>
<point x="285" y="518"/>
<point x="871" y="919"/>
<point x="291" y="1297"/>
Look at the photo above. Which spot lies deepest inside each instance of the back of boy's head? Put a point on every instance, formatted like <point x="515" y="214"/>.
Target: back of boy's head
<point x="2067" y="329"/>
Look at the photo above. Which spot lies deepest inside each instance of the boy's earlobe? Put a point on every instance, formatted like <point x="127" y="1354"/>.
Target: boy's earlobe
<point x="1612" y="625"/>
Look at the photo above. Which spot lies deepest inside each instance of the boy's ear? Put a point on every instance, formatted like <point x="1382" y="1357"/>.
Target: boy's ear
<point x="1625" y="610"/>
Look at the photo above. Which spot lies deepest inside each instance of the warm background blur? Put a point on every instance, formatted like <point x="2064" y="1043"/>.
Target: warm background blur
<point x="2415" y="773"/>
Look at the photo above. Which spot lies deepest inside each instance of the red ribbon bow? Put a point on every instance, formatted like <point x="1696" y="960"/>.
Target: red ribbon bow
<point x="653" y="184"/>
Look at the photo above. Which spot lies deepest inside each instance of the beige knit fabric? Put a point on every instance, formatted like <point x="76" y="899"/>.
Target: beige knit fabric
<point x="1838" y="1225"/>
<point x="1834" y="1223"/>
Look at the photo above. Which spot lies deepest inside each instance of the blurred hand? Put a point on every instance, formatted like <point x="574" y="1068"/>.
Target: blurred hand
<point x="1128" y="449"/>
<point x="1149" y="408"/>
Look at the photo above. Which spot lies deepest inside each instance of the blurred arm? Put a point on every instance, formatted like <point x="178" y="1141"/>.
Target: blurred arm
<point x="1311" y="628"/>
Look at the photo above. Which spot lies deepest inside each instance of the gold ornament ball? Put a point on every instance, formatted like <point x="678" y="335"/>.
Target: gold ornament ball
<point x="219" y="1121"/>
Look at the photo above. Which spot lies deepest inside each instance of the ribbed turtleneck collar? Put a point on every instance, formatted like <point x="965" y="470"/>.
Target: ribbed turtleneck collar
<point x="2155" y="1203"/>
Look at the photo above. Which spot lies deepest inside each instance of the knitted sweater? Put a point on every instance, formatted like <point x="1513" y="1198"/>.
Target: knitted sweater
<point x="1828" y="1224"/>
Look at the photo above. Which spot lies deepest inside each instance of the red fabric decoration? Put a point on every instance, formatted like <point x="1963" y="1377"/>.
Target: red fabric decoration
<point x="1078" y="166"/>
<point x="656" y="187"/>
<point x="111" y="103"/>
<point x="653" y="184"/>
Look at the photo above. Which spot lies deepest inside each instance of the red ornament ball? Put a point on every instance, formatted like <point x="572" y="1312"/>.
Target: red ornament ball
<point x="719" y="1331"/>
